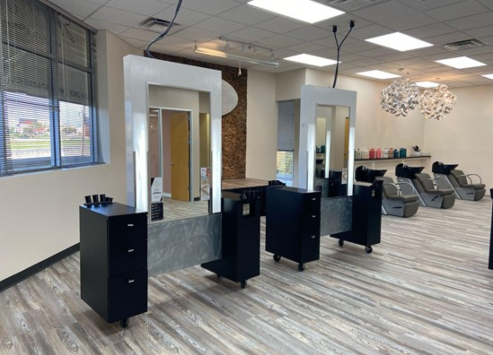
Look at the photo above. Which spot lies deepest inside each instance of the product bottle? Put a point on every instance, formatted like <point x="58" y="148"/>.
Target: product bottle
<point x="378" y="154"/>
<point x="385" y="153"/>
<point x="391" y="152"/>
<point x="396" y="153"/>
<point x="372" y="153"/>
<point x="403" y="153"/>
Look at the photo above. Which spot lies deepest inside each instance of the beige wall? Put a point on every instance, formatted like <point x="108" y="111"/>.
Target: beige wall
<point x="39" y="211"/>
<point x="261" y="126"/>
<point x="465" y="136"/>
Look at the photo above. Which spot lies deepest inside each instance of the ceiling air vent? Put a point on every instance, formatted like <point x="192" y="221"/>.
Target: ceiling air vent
<point x="466" y="44"/>
<point x="159" y="25"/>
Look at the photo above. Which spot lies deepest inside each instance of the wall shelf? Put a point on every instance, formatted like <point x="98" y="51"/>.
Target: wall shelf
<point x="389" y="161"/>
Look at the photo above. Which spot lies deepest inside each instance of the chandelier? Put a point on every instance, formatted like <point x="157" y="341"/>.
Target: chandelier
<point x="436" y="103"/>
<point x="400" y="97"/>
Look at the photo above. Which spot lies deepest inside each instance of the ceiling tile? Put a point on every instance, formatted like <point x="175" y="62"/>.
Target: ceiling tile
<point x="369" y="32"/>
<point x="280" y="25"/>
<point x="118" y="16"/>
<point x="305" y="47"/>
<point x="457" y="10"/>
<point x="474" y="21"/>
<point x="143" y="7"/>
<point x="218" y="24"/>
<point x="279" y="41"/>
<point x="309" y="33"/>
<point x="394" y="15"/>
<point x="135" y="33"/>
<point x="247" y="15"/>
<point x="480" y="32"/>
<point x="486" y="3"/>
<point x="211" y="7"/>
<point x="197" y="34"/>
<point x="251" y="34"/>
<point x="81" y="9"/>
<point x="185" y="17"/>
<point x="433" y="30"/>
<point x="424" y="5"/>
<point x="103" y="25"/>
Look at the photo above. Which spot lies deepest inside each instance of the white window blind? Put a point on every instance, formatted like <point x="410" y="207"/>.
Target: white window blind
<point x="47" y="114"/>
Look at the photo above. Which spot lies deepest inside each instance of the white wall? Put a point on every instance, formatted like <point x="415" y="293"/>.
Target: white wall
<point x="261" y="126"/>
<point x="40" y="211"/>
<point x="465" y="136"/>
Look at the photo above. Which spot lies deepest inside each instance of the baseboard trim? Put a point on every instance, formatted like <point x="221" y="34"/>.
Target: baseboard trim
<point x="30" y="271"/>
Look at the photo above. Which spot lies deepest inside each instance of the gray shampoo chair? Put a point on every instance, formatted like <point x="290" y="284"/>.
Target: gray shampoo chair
<point x="431" y="195"/>
<point x="394" y="202"/>
<point x="462" y="183"/>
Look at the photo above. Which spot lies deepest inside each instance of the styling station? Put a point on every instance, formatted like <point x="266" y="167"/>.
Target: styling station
<point x="225" y="238"/>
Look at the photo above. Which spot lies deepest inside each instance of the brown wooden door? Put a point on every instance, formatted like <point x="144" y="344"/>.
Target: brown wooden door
<point x="180" y="157"/>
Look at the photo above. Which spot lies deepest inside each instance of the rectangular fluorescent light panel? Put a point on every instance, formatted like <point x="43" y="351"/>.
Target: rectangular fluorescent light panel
<point x="399" y="41"/>
<point x="460" y="62"/>
<point x="311" y="60"/>
<point x="488" y="76"/>
<point x="378" y="74"/>
<point x="303" y="10"/>
<point x="427" y="84"/>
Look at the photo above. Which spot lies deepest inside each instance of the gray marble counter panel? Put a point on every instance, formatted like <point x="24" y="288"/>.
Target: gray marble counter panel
<point x="336" y="215"/>
<point x="175" y="245"/>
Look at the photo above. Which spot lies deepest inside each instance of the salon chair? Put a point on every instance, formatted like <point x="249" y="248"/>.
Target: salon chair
<point x="429" y="192"/>
<point x="395" y="202"/>
<point x="462" y="184"/>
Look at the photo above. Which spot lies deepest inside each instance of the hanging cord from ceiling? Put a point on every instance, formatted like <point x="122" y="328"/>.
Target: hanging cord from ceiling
<point x="165" y="32"/>
<point x="339" y="45"/>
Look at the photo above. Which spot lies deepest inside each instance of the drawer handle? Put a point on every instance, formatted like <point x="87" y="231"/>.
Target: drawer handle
<point x="314" y="216"/>
<point x="130" y="225"/>
<point x="131" y="250"/>
<point x="313" y="236"/>
<point x="131" y="281"/>
<point x="314" y="198"/>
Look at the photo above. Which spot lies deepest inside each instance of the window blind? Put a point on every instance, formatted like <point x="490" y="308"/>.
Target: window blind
<point x="285" y="123"/>
<point x="47" y="116"/>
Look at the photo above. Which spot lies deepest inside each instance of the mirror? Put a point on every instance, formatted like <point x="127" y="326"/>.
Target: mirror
<point x="158" y="84"/>
<point x="179" y="154"/>
<point x="332" y="106"/>
<point x="332" y="150"/>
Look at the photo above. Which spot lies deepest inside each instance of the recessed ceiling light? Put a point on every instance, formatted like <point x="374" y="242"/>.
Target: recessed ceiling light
<point x="311" y="60"/>
<point x="488" y="76"/>
<point x="378" y="74"/>
<point x="460" y="62"/>
<point x="399" y="41"/>
<point x="427" y="84"/>
<point x="303" y="10"/>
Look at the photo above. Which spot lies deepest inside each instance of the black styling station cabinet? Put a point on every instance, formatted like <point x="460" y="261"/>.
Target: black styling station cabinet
<point x="293" y="224"/>
<point x="240" y="259"/>
<point x="366" y="211"/>
<point x="113" y="260"/>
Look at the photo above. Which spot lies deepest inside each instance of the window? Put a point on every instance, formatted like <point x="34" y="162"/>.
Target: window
<point x="47" y="115"/>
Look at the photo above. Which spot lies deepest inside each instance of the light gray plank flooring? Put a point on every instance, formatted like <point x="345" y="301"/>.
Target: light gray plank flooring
<point x="425" y="290"/>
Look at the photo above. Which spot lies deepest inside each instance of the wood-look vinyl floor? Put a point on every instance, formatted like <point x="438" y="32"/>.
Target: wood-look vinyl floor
<point x="425" y="290"/>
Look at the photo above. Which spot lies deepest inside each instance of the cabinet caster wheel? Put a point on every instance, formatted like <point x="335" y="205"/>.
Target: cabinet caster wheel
<point x="341" y="242"/>
<point x="369" y="249"/>
<point x="276" y="258"/>
<point x="301" y="267"/>
<point x="124" y="322"/>
<point x="243" y="284"/>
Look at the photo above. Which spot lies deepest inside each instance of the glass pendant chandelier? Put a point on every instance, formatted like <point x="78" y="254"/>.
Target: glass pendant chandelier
<point x="437" y="103"/>
<point x="400" y="97"/>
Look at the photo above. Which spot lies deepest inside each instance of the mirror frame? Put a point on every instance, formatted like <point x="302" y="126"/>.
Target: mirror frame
<point x="139" y="73"/>
<point x="311" y="97"/>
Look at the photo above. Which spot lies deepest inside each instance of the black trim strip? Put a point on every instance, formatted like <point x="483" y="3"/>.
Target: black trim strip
<point x="30" y="271"/>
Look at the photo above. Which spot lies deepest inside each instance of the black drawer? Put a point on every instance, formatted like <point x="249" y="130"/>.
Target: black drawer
<point x="127" y="295"/>
<point x="128" y="257"/>
<point x="126" y="229"/>
<point x="311" y="202"/>
<point x="310" y="246"/>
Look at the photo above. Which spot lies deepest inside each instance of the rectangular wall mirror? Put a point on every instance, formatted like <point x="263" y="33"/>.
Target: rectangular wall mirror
<point x="179" y="154"/>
